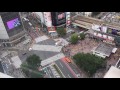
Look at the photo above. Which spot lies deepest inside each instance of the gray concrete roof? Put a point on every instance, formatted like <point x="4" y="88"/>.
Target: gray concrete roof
<point x="104" y="48"/>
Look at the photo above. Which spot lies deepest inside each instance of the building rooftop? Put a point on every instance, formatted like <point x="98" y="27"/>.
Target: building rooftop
<point x="113" y="73"/>
<point x="105" y="49"/>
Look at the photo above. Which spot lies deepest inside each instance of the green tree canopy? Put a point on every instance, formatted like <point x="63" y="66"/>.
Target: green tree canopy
<point x="33" y="61"/>
<point x="117" y="40"/>
<point x="82" y="36"/>
<point x="61" y="31"/>
<point x="89" y="62"/>
<point x="30" y="67"/>
<point x="74" y="38"/>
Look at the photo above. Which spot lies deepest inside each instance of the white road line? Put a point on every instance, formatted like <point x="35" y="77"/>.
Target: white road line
<point x="61" y="65"/>
<point x="48" y="73"/>
<point x="69" y="76"/>
<point x="52" y="59"/>
<point x="61" y="71"/>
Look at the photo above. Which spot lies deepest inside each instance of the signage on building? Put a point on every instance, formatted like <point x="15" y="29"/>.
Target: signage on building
<point x="48" y="21"/>
<point x="51" y="29"/>
<point x="106" y="37"/>
<point x="58" y="18"/>
<point x="68" y="19"/>
<point x="114" y="31"/>
<point x="99" y="28"/>
<point x="12" y="23"/>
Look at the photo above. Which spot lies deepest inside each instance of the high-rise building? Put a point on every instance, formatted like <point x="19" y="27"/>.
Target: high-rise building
<point x="51" y="20"/>
<point x="11" y="28"/>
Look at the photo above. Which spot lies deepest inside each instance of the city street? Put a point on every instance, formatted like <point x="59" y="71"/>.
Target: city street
<point x="65" y="69"/>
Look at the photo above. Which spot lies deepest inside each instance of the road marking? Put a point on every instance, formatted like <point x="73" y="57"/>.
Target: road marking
<point x="48" y="72"/>
<point x="73" y="73"/>
<point x="69" y="76"/>
<point x="61" y="65"/>
<point x="61" y="71"/>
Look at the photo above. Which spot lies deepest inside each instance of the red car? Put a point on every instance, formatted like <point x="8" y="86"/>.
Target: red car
<point x="67" y="59"/>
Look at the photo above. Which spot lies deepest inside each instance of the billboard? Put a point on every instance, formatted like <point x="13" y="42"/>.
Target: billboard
<point x="99" y="28"/>
<point x="58" y="18"/>
<point x="13" y="23"/>
<point x="114" y="32"/>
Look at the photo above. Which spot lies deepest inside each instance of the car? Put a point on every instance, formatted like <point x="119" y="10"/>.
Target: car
<point x="25" y="19"/>
<point x="30" y="24"/>
<point x="68" y="59"/>
<point x="30" y="49"/>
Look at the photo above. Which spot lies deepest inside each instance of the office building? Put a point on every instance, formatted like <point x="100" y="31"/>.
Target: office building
<point x="11" y="29"/>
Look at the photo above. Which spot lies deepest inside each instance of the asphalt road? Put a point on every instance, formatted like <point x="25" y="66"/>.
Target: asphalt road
<point x="65" y="69"/>
<point x="47" y="42"/>
<point x="75" y="68"/>
<point x="49" y="72"/>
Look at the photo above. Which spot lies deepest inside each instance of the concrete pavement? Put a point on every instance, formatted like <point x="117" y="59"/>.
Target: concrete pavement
<point x="52" y="59"/>
<point x="47" y="48"/>
<point x="42" y="38"/>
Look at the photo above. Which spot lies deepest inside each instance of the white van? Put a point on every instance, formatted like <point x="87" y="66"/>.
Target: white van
<point x="25" y="19"/>
<point x="30" y="24"/>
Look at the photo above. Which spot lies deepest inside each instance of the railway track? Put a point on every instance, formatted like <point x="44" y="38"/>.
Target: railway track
<point x="88" y="21"/>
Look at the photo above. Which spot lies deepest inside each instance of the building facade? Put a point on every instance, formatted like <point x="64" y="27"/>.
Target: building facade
<point x="52" y="20"/>
<point x="11" y="29"/>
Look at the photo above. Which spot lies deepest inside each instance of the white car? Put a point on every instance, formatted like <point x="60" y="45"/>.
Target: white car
<point x="30" y="24"/>
<point x="25" y="19"/>
<point x="30" y="49"/>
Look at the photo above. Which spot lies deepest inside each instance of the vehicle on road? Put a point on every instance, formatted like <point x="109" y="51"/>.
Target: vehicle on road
<point x="25" y="19"/>
<point x="67" y="59"/>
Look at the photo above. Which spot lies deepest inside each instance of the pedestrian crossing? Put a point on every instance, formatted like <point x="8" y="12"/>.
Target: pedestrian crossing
<point x="52" y="59"/>
<point x="46" y="48"/>
<point x="42" y="38"/>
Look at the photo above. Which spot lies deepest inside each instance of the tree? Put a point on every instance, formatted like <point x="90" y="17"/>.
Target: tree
<point x="30" y="67"/>
<point x="31" y="73"/>
<point x="61" y="31"/>
<point x="117" y="41"/>
<point x="74" y="38"/>
<point x="33" y="61"/>
<point x="89" y="62"/>
<point x="82" y="36"/>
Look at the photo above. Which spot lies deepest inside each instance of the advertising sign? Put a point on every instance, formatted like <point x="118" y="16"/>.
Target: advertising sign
<point x="113" y="31"/>
<point x="58" y="18"/>
<point x="13" y="23"/>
